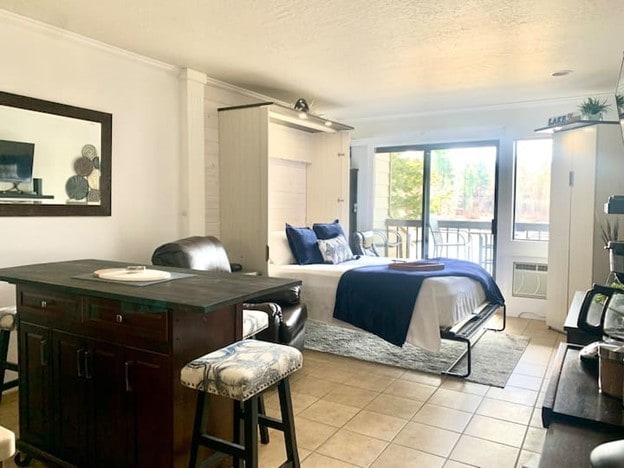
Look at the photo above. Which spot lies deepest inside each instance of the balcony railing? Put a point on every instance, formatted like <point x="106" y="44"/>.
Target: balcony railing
<point x="464" y="239"/>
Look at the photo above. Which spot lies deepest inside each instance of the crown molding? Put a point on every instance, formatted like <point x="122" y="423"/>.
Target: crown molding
<point x="489" y="108"/>
<point x="188" y="74"/>
<point x="245" y="92"/>
<point x="39" y="26"/>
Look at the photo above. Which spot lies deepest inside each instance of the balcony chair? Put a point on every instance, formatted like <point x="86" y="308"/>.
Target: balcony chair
<point x="363" y="243"/>
<point x="376" y="243"/>
<point x="441" y="246"/>
<point x="287" y="315"/>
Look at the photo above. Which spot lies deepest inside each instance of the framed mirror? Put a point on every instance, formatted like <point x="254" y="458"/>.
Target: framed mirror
<point x="55" y="159"/>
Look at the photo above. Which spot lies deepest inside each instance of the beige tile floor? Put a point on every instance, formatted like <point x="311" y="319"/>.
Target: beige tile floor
<point x="351" y="413"/>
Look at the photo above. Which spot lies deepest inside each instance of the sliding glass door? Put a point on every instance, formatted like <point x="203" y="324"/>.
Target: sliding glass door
<point x="441" y="200"/>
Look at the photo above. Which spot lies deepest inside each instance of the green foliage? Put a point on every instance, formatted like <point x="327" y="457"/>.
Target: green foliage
<point x="609" y="230"/>
<point x="406" y="188"/>
<point x="594" y="106"/>
<point x="619" y="101"/>
<point x="457" y="190"/>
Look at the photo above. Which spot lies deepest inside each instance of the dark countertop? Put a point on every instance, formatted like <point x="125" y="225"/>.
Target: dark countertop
<point x="577" y="415"/>
<point x="205" y="291"/>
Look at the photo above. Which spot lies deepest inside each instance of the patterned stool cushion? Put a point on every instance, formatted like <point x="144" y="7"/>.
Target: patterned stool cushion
<point x="7" y="444"/>
<point x="242" y="369"/>
<point x="254" y="321"/>
<point x="7" y="318"/>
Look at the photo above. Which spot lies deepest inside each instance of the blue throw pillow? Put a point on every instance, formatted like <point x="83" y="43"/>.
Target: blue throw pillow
<point x="304" y="245"/>
<point x="328" y="230"/>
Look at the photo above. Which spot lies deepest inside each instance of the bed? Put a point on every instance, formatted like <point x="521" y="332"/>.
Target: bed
<point x="447" y="307"/>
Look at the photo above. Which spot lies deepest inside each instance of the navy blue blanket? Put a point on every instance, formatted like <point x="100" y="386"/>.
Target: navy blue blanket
<point x="381" y="300"/>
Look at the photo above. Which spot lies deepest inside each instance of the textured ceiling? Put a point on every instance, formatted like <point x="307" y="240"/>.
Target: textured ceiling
<point x="359" y="59"/>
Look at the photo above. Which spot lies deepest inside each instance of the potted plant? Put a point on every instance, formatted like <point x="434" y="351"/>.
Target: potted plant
<point x="609" y="230"/>
<point x="619" y="102"/>
<point x="593" y="108"/>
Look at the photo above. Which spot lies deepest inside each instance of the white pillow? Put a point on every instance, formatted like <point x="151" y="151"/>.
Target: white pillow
<point x="279" y="249"/>
<point x="335" y="250"/>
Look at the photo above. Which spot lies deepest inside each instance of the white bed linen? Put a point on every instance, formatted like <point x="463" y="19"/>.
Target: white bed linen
<point x="442" y="301"/>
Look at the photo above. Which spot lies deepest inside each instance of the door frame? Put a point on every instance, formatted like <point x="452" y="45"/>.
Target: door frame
<point x="427" y="149"/>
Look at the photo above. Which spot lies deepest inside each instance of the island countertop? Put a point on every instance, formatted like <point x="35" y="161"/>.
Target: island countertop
<point x="99" y="361"/>
<point x="204" y="291"/>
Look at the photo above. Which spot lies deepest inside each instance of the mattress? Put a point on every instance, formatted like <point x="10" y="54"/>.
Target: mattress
<point x="442" y="301"/>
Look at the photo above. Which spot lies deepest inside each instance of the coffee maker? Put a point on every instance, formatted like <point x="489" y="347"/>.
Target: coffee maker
<point x="601" y="315"/>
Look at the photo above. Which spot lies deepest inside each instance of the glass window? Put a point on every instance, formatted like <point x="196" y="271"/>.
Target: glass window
<point x="532" y="189"/>
<point x="406" y="184"/>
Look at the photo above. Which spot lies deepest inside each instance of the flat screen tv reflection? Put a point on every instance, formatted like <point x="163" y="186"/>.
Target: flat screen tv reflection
<point x="16" y="162"/>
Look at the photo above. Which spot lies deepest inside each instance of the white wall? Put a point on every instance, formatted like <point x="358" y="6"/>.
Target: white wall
<point x="496" y="123"/>
<point x="143" y="97"/>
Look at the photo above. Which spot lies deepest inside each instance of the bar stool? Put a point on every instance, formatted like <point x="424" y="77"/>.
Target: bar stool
<point x="254" y="321"/>
<point x="241" y="372"/>
<point x="7" y="445"/>
<point x="8" y="323"/>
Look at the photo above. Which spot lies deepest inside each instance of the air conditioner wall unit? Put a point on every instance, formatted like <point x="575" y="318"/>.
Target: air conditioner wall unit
<point x="529" y="280"/>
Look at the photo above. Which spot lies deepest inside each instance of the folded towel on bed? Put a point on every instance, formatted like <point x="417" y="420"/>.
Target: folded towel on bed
<point x="381" y="300"/>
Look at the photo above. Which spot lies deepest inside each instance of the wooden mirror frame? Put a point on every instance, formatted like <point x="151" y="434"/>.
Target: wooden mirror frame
<point x="106" y="122"/>
<point x="619" y="96"/>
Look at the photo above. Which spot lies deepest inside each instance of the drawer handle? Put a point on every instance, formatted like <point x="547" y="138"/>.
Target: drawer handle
<point x="119" y="318"/>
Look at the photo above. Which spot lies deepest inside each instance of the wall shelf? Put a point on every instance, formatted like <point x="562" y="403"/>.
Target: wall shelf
<point x="32" y="196"/>
<point x="573" y="125"/>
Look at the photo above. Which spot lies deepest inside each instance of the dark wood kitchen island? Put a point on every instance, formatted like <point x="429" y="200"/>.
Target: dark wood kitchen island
<point x="99" y="361"/>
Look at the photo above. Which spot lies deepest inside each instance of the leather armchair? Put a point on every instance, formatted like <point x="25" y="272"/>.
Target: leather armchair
<point x="287" y="315"/>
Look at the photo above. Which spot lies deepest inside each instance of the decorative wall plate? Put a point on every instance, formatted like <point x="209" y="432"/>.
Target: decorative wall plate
<point x="94" y="179"/>
<point x="89" y="151"/>
<point x="83" y="166"/>
<point x="93" y="195"/>
<point x="76" y="187"/>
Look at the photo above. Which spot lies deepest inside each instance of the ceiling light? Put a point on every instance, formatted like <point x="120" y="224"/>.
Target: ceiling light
<point x="302" y="105"/>
<point x="561" y="72"/>
<point x="328" y="123"/>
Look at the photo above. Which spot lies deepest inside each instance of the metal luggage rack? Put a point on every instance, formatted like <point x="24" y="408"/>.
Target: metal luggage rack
<point x="468" y="329"/>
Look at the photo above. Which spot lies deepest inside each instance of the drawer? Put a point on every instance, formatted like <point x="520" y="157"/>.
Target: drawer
<point x="47" y="304"/>
<point x="126" y="319"/>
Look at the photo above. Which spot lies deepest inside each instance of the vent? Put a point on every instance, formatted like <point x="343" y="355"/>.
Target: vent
<point x="529" y="280"/>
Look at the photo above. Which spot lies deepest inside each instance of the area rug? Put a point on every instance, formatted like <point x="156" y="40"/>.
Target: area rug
<point x="494" y="356"/>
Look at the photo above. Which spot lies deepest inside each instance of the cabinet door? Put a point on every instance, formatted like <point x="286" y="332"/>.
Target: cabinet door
<point x="70" y="399"/>
<point x="328" y="180"/>
<point x="148" y="385"/>
<point x="35" y="385"/>
<point x="90" y="411"/>
<point x="107" y="404"/>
